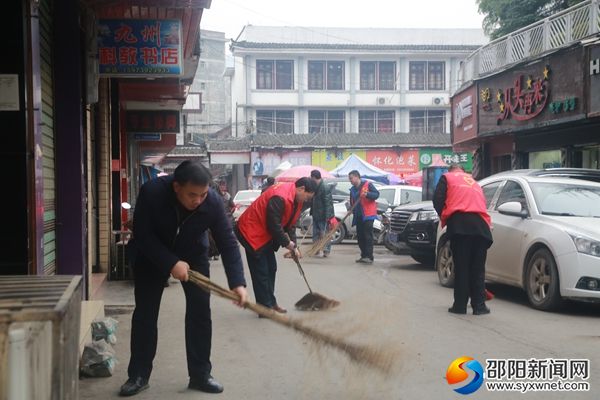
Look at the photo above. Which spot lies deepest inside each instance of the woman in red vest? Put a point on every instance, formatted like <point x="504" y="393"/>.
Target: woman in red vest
<point x="460" y="202"/>
<point x="270" y="223"/>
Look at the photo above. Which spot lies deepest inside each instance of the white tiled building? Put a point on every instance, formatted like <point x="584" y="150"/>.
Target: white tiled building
<point x="347" y="80"/>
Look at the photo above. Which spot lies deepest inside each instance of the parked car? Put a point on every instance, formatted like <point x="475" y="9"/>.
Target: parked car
<point x="242" y="200"/>
<point x="546" y="233"/>
<point x="414" y="226"/>
<point x="396" y="195"/>
<point x="343" y="231"/>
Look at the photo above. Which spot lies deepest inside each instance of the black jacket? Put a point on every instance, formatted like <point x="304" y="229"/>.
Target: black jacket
<point x="161" y="239"/>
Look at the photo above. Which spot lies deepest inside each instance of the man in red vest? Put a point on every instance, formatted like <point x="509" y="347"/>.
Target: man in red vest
<point x="364" y="193"/>
<point x="270" y="223"/>
<point x="460" y="202"/>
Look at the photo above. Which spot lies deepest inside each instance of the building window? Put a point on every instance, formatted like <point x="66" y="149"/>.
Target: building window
<point x="376" y="121"/>
<point x="274" y="121"/>
<point x="326" y="122"/>
<point x="427" y="121"/>
<point x="271" y="74"/>
<point x="377" y="75"/>
<point x="427" y="75"/>
<point x="325" y="75"/>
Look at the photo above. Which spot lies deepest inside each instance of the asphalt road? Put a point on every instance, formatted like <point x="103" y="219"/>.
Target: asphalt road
<point x="395" y="304"/>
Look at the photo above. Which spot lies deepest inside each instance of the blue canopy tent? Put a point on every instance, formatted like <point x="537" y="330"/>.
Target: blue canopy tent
<point x="366" y="170"/>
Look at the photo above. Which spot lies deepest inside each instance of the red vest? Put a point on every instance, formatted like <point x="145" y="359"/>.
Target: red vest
<point x="369" y="206"/>
<point x="463" y="195"/>
<point x="252" y="224"/>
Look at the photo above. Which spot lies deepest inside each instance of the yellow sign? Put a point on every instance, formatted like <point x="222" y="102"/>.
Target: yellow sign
<point x="330" y="159"/>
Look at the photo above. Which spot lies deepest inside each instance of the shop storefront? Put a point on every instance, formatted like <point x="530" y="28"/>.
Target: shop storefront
<point x="534" y="115"/>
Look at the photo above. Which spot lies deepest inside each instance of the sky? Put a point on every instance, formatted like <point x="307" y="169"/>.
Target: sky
<point x="230" y="16"/>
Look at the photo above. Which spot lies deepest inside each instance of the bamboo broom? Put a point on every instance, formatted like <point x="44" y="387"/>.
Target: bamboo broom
<point x="321" y="243"/>
<point x="379" y="360"/>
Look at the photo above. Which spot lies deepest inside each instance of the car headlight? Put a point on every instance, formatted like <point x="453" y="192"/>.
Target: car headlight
<point x="586" y="245"/>
<point x="424" y="216"/>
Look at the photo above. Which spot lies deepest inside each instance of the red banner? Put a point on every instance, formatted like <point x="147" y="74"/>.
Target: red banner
<point x="397" y="162"/>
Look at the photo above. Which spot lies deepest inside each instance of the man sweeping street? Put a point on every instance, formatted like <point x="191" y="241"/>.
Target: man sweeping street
<point x="268" y="224"/>
<point x="172" y="215"/>
<point x="321" y="211"/>
<point x="364" y="193"/>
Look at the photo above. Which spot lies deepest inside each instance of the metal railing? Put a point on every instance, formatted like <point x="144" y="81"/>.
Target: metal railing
<point x="559" y="30"/>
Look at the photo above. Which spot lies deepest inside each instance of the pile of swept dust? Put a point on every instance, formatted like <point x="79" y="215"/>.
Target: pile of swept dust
<point x="367" y="356"/>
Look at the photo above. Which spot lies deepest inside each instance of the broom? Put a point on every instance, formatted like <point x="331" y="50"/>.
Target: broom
<point x="321" y="243"/>
<point x="379" y="360"/>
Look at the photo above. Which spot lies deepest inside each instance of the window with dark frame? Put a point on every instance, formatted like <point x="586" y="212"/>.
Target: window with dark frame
<point x="427" y="121"/>
<point x="274" y="121"/>
<point x="325" y="75"/>
<point x="274" y="74"/>
<point x="326" y="121"/>
<point x="377" y="75"/>
<point x="376" y="121"/>
<point x="427" y="75"/>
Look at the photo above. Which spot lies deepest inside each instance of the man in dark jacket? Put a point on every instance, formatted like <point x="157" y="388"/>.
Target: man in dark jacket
<point x="270" y="223"/>
<point x="364" y="193"/>
<point x="321" y="210"/>
<point x="171" y="217"/>
<point x="461" y="205"/>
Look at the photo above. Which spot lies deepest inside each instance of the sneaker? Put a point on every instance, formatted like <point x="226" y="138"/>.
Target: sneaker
<point x="325" y="255"/>
<point x="481" y="310"/>
<point x="365" y="260"/>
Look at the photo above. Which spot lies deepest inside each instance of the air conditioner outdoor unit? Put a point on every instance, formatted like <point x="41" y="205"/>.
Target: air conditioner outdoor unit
<point x="381" y="101"/>
<point x="438" y="101"/>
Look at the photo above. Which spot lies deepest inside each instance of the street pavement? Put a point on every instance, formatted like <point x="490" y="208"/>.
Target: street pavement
<point x="394" y="304"/>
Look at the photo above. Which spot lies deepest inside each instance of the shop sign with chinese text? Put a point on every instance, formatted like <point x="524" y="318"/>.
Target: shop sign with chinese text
<point x="140" y="47"/>
<point x="155" y="121"/>
<point x="526" y="96"/>
<point x="402" y="162"/>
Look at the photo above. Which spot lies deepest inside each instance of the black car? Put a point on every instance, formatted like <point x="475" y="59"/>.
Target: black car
<point x="413" y="231"/>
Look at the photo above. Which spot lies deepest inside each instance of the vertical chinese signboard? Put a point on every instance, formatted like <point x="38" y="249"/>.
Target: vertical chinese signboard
<point x="140" y="47"/>
<point x="594" y="88"/>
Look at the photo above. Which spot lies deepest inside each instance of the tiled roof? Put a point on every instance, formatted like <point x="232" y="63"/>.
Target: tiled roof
<point x="183" y="151"/>
<point x="336" y="46"/>
<point x="242" y="144"/>
<point x="344" y="140"/>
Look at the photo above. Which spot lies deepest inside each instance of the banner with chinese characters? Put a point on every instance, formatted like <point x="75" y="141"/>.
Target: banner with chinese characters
<point x="140" y="47"/>
<point x="330" y="159"/>
<point x="152" y="121"/>
<point x="441" y="157"/>
<point x="402" y="162"/>
<point x="264" y="162"/>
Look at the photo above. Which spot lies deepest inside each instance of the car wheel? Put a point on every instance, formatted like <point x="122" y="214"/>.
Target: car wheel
<point x="444" y="265"/>
<point x="425" y="259"/>
<point x="542" y="281"/>
<point x="340" y="234"/>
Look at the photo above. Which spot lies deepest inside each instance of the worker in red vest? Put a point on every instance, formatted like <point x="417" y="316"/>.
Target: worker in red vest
<point x="268" y="224"/>
<point x="460" y="202"/>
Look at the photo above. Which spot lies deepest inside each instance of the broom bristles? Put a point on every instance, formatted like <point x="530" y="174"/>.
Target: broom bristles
<point x="321" y="243"/>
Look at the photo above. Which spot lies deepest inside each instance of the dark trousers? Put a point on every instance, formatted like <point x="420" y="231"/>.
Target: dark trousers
<point x="263" y="269"/>
<point x="469" y="253"/>
<point x="144" y="331"/>
<point x="364" y="231"/>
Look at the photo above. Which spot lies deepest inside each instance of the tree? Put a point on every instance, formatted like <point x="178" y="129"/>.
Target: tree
<point x="505" y="16"/>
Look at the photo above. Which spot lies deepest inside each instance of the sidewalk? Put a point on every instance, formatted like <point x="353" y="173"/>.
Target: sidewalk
<point x="253" y="358"/>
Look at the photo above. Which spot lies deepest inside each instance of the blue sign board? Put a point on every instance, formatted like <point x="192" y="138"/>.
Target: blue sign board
<point x="147" y="137"/>
<point x="140" y="47"/>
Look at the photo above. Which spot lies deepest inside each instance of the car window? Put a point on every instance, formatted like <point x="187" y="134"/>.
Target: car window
<point x="569" y="200"/>
<point x="512" y="191"/>
<point x="489" y="191"/>
<point x="246" y="195"/>
<point x="388" y="194"/>
<point x="411" y="196"/>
